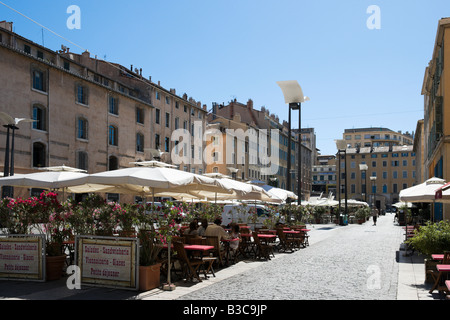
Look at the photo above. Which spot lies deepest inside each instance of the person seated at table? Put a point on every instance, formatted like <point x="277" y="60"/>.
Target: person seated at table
<point x="178" y="225"/>
<point x="192" y="230"/>
<point x="235" y="234"/>
<point x="217" y="230"/>
<point x="201" y="230"/>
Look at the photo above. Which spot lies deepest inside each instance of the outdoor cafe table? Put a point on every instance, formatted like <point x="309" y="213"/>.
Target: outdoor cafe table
<point x="265" y="237"/>
<point x="437" y="257"/>
<point x="443" y="270"/>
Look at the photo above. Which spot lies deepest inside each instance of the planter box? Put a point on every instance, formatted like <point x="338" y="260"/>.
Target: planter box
<point x="149" y="277"/>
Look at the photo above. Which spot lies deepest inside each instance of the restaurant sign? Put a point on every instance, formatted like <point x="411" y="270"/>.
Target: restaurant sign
<point x="108" y="261"/>
<point x="22" y="257"/>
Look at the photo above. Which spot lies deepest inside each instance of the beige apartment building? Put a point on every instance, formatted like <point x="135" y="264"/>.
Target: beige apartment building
<point x="376" y="137"/>
<point x="234" y="116"/>
<point x="434" y="144"/>
<point x="89" y="113"/>
<point x="389" y="170"/>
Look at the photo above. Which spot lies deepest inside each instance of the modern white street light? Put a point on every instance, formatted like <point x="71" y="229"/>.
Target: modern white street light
<point x="342" y="147"/>
<point x="363" y="168"/>
<point x="373" y="179"/>
<point x="293" y="96"/>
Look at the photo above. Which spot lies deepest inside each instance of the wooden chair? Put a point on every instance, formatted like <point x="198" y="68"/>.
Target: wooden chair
<point x="218" y="252"/>
<point x="247" y="247"/>
<point x="285" y="243"/>
<point x="191" y="266"/>
<point x="263" y="251"/>
<point x="191" y="239"/>
<point x="435" y="274"/>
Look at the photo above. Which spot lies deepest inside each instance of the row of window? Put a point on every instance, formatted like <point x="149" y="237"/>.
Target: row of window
<point x="39" y="157"/>
<point x="376" y="137"/>
<point x="394" y="163"/>
<point x="384" y="188"/>
<point x="82" y="97"/>
<point x="385" y="174"/>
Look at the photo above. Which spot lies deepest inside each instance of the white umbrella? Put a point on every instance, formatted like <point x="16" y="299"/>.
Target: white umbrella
<point x="280" y="193"/>
<point x="402" y="204"/>
<point x="245" y="191"/>
<point x="46" y="180"/>
<point x="62" y="168"/>
<point x="424" y="192"/>
<point x="153" y="163"/>
<point x="157" y="181"/>
<point x="443" y="193"/>
<point x="327" y="203"/>
<point x="354" y="203"/>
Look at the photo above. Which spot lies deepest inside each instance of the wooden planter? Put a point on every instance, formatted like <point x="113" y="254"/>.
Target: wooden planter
<point x="149" y="277"/>
<point x="54" y="267"/>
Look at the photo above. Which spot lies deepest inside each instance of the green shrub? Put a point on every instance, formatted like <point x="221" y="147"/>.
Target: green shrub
<point x="432" y="238"/>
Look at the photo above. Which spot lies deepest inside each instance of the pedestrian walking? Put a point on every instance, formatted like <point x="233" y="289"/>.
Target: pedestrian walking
<point x="374" y="215"/>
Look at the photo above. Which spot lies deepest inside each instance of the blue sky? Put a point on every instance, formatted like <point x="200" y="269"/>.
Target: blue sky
<point x="216" y="51"/>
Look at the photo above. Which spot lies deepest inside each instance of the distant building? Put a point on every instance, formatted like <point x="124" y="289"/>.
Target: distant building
<point x="324" y="175"/>
<point x="235" y="114"/>
<point x="376" y="137"/>
<point x="389" y="170"/>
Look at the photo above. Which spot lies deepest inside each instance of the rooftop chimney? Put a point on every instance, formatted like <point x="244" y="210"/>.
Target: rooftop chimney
<point x="250" y="104"/>
<point x="6" y="25"/>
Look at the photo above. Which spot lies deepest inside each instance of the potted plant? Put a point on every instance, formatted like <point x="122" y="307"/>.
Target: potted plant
<point x="318" y="212"/>
<point x="150" y="246"/>
<point x="50" y="219"/>
<point x="361" y="214"/>
<point x="149" y="266"/>
<point x="433" y="238"/>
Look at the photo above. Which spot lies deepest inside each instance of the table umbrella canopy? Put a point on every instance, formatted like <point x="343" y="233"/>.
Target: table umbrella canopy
<point x="46" y="180"/>
<point x="153" y="163"/>
<point x="280" y="193"/>
<point x="403" y="205"/>
<point x="157" y="181"/>
<point x="443" y="193"/>
<point x="354" y="203"/>
<point x="62" y="168"/>
<point x="424" y="192"/>
<point x="242" y="191"/>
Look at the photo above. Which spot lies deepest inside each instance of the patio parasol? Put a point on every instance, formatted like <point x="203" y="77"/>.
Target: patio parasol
<point x="424" y="192"/>
<point x="443" y="193"/>
<point x="62" y="168"/>
<point x="46" y="180"/>
<point x="153" y="163"/>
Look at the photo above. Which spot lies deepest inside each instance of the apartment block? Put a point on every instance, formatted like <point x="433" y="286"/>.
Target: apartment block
<point x="264" y="126"/>
<point x="90" y="113"/>
<point x="436" y="123"/>
<point x="389" y="170"/>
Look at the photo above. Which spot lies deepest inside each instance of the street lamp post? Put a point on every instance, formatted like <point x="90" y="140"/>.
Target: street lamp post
<point x="364" y="168"/>
<point x="373" y="179"/>
<point x="10" y="123"/>
<point x="293" y="96"/>
<point x="342" y="147"/>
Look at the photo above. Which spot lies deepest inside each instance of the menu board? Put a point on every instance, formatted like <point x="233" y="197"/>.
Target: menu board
<point x="111" y="262"/>
<point x="21" y="257"/>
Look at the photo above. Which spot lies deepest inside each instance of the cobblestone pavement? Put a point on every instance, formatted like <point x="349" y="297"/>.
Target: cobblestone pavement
<point x="355" y="262"/>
